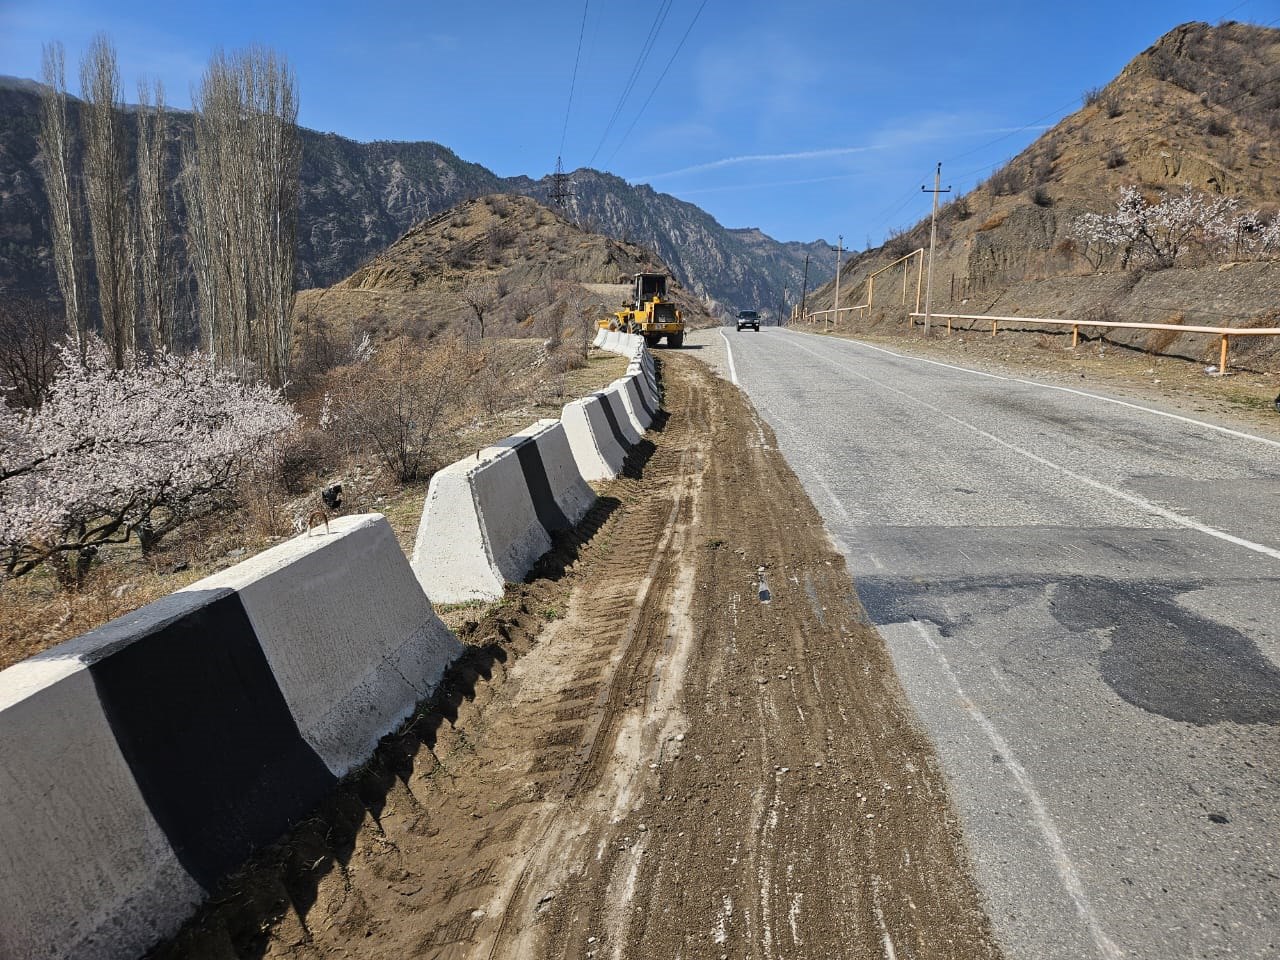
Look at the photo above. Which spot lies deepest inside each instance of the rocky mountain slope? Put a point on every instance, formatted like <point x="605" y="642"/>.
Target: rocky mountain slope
<point x="505" y="261"/>
<point x="1199" y="109"/>
<point x="736" y="269"/>
<point x="359" y="197"/>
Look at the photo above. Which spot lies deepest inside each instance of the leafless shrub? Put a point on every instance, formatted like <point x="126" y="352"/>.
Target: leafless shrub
<point x="1091" y="96"/>
<point x="30" y="332"/>
<point x="479" y="297"/>
<point x="1040" y="197"/>
<point x="1114" y="158"/>
<point x="1217" y="127"/>
<point x="498" y="239"/>
<point x="458" y="256"/>
<point x="897" y="244"/>
<point x="1006" y="181"/>
<point x="393" y="405"/>
<point x="958" y="210"/>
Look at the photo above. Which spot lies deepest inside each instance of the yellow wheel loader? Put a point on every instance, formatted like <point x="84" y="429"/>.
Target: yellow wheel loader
<point x="649" y="314"/>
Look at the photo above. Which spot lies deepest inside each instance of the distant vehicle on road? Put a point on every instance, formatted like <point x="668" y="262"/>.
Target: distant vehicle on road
<point x="749" y="318"/>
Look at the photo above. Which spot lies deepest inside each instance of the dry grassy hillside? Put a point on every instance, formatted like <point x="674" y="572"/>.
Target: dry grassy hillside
<point x="1200" y="109"/>
<point x="505" y="261"/>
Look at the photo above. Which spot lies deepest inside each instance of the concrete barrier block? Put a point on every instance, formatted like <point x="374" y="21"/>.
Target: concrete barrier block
<point x="85" y="869"/>
<point x="487" y="521"/>
<point x="616" y="407"/>
<point x="478" y="528"/>
<point x="647" y="381"/>
<point x="565" y="482"/>
<point x="640" y="414"/>
<point x="350" y="635"/>
<point x="597" y="443"/>
<point x="600" y="336"/>
<point x="143" y="761"/>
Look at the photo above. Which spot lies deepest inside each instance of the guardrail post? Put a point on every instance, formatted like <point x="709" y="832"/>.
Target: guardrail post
<point x="1222" y="360"/>
<point x="1075" y="335"/>
<point x="948" y="326"/>
<point x="993" y="328"/>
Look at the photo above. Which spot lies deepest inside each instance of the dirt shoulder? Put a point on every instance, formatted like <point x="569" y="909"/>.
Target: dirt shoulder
<point x="680" y="738"/>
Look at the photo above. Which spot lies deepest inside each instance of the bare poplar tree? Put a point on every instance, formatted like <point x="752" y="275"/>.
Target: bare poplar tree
<point x="277" y="164"/>
<point x="241" y="182"/>
<point x="156" y="265"/>
<point x="110" y="216"/>
<point x="66" y="213"/>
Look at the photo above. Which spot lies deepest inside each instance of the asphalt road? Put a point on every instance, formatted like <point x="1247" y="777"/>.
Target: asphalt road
<point x="1081" y="599"/>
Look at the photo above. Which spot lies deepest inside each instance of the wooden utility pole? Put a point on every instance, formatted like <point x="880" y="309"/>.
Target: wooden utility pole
<point x="933" y="237"/>
<point x="839" y="256"/>
<point x="804" y="290"/>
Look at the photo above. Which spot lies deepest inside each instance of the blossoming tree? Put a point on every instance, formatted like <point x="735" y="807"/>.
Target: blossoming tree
<point x="1157" y="234"/>
<point x="119" y="453"/>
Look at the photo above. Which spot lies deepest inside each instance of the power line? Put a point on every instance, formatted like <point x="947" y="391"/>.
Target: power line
<point x="573" y="82"/>
<point x="660" y="17"/>
<point x="675" y="53"/>
<point x="1052" y="113"/>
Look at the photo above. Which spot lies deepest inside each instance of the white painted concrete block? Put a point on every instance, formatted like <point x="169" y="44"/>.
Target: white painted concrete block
<point x="598" y="453"/>
<point x="350" y="635"/>
<point x="614" y="395"/>
<point x="630" y="393"/>
<point x="85" y="871"/>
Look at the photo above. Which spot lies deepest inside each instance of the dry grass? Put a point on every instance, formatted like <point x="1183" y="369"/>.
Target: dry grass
<point x="993" y="221"/>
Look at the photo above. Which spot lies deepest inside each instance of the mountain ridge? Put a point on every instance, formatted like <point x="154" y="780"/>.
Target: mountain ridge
<point x="360" y="197"/>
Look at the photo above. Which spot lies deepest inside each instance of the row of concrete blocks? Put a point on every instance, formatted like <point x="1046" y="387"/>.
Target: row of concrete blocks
<point x="489" y="518"/>
<point x="143" y="761"/>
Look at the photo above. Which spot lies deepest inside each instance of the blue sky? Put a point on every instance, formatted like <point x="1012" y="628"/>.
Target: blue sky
<point x="807" y="120"/>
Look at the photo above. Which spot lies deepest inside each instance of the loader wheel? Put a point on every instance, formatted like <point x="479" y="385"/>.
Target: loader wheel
<point x="675" y="340"/>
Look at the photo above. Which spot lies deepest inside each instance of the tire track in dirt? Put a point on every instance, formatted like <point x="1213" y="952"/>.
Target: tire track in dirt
<point x="640" y="758"/>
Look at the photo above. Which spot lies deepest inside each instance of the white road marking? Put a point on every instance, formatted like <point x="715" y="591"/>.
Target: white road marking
<point x="733" y="372"/>
<point x="1044" y="822"/>
<point x="1140" y="502"/>
<point x="1239" y="434"/>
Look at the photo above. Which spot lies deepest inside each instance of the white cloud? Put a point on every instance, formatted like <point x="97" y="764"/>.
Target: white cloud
<point x="761" y="158"/>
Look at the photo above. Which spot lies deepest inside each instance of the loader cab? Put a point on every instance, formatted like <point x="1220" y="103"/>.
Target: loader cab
<point x="648" y="286"/>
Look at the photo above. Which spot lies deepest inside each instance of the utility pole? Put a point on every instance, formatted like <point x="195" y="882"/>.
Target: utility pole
<point x="839" y="256"/>
<point x="933" y="236"/>
<point x="804" y="290"/>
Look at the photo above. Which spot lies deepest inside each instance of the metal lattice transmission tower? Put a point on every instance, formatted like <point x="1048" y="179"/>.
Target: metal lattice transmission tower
<point x="560" y="193"/>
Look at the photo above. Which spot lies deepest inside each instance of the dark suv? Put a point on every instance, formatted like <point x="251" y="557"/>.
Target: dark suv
<point x="749" y="318"/>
